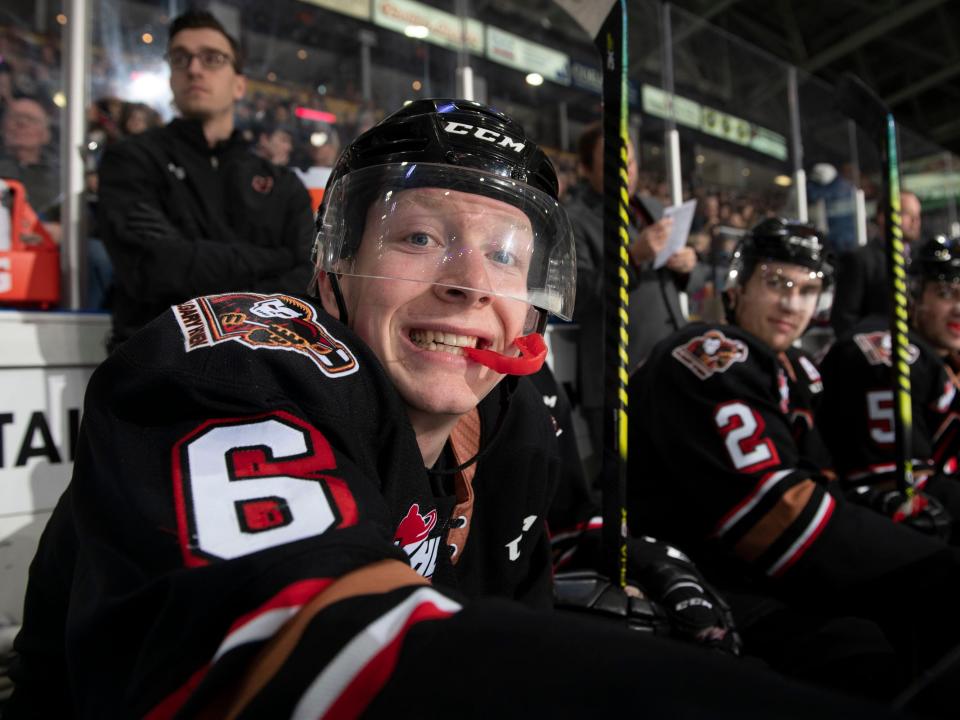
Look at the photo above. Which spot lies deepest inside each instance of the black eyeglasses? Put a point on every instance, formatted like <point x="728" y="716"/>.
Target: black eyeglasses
<point x="210" y="59"/>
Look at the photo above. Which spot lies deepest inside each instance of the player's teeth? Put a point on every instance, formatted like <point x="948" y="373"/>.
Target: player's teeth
<point x="431" y="338"/>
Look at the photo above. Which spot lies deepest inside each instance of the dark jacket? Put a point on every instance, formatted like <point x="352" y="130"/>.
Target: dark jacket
<point x="862" y="287"/>
<point x="180" y="219"/>
<point x="654" y="297"/>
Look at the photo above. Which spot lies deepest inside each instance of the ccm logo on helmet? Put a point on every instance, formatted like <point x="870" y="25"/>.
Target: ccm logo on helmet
<point x="458" y="128"/>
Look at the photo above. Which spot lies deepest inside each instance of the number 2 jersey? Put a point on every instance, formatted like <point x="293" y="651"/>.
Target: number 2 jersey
<point x="726" y="462"/>
<point x="243" y="461"/>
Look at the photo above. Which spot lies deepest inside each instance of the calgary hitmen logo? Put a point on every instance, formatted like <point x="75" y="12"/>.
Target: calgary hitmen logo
<point x="270" y="322"/>
<point x="712" y="352"/>
<point x="876" y="347"/>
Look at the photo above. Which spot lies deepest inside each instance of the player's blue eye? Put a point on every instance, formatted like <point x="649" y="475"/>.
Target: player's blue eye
<point x="419" y="239"/>
<point x="503" y="257"/>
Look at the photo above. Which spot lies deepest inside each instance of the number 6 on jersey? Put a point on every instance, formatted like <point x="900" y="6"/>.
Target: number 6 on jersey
<point x="244" y="485"/>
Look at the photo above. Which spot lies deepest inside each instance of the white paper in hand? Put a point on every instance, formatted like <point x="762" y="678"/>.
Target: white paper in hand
<point x="682" y="219"/>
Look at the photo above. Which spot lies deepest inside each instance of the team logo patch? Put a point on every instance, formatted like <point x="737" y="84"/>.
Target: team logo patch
<point x="876" y="348"/>
<point x="263" y="322"/>
<point x="413" y="535"/>
<point x="262" y="183"/>
<point x="712" y="352"/>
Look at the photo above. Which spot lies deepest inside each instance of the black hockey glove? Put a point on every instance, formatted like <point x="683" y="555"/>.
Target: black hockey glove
<point x="590" y="592"/>
<point x="926" y="513"/>
<point x="696" y="611"/>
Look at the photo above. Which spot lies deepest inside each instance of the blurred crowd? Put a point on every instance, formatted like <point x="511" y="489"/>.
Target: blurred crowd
<point x="289" y="126"/>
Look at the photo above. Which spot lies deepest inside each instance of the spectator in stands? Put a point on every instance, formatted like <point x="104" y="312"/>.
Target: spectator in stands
<point x="833" y="199"/>
<point x="28" y="157"/>
<point x="862" y="285"/>
<point x="275" y="143"/>
<point x="654" y="301"/>
<point x="186" y="209"/>
<point x="6" y="87"/>
<point x="136" y="118"/>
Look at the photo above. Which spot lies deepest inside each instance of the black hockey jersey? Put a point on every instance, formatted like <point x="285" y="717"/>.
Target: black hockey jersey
<point x="245" y="460"/>
<point x="856" y="416"/>
<point x="725" y="462"/>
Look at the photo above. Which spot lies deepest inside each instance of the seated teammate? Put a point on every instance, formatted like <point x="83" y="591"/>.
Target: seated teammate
<point x="726" y="462"/>
<point x="281" y="506"/>
<point x="856" y="414"/>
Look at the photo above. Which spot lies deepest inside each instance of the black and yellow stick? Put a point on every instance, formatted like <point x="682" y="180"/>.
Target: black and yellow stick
<point x="606" y="22"/>
<point x="867" y="110"/>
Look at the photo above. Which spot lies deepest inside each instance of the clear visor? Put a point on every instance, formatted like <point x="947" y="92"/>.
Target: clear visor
<point x="450" y="226"/>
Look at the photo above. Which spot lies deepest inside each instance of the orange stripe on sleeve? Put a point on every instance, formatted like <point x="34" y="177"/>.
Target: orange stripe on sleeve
<point x="771" y="526"/>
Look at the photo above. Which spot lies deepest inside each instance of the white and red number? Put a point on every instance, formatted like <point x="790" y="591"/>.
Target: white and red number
<point x="742" y="430"/>
<point x="880" y="416"/>
<point x="244" y="485"/>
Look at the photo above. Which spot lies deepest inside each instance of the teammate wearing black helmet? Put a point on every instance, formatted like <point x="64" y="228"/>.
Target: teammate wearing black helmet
<point x="281" y="505"/>
<point x="857" y="412"/>
<point x="726" y="462"/>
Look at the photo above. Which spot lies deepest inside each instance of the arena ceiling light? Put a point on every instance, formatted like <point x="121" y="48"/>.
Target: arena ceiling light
<point x="535" y="79"/>
<point x="416" y="31"/>
<point x="783" y="181"/>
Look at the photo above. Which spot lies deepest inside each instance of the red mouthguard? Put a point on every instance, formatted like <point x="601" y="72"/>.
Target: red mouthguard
<point x="533" y="351"/>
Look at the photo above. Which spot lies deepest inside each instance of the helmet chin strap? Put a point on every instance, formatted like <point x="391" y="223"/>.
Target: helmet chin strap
<point x="533" y="352"/>
<point x="338" y="297"/>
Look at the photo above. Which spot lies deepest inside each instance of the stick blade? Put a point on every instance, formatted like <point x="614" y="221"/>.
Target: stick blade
<point x="860" y="103"/>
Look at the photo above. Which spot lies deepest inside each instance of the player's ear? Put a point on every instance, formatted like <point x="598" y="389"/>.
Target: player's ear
<point x="239" y="87"/>
<point x="326" y="294"/>
<point x="733" y="297"/>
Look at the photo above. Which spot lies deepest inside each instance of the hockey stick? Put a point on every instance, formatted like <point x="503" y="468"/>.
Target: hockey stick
<point x="866" y="109"/>
<point x="606" y="23"/>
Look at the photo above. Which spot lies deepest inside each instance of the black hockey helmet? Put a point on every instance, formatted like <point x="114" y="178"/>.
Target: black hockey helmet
<point x="452" y="145"/>
<point x="780" y="240"/>
<point x="937" y="259"/>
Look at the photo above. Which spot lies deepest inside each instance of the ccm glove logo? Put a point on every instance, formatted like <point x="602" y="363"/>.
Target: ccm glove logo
<point x="459" y="128"/>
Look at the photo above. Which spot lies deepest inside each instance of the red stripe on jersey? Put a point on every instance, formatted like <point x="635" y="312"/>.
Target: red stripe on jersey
<point x="298" y="593"/>
<point x="353" y="678"/>
<point x="246" y="629"/>
<point x="266" y="620"/>
<point x="767" y="482"/>
<point x="594" y="523"/>
<point x="802" y="544"/>
<point x="170" y="705"/>
<point x="371" y="679"/>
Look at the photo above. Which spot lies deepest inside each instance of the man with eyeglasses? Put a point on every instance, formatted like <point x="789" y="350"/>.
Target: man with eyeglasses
<point x="28" y="157"/>
<point x="187" y="209"/>
<point x="727" y="462"/>
<point x="857" y="411"/>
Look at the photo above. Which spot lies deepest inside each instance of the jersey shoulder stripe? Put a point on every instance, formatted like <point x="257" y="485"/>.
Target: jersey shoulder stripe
<point x="807" y="537"/>
<point x="346" y="685"/>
